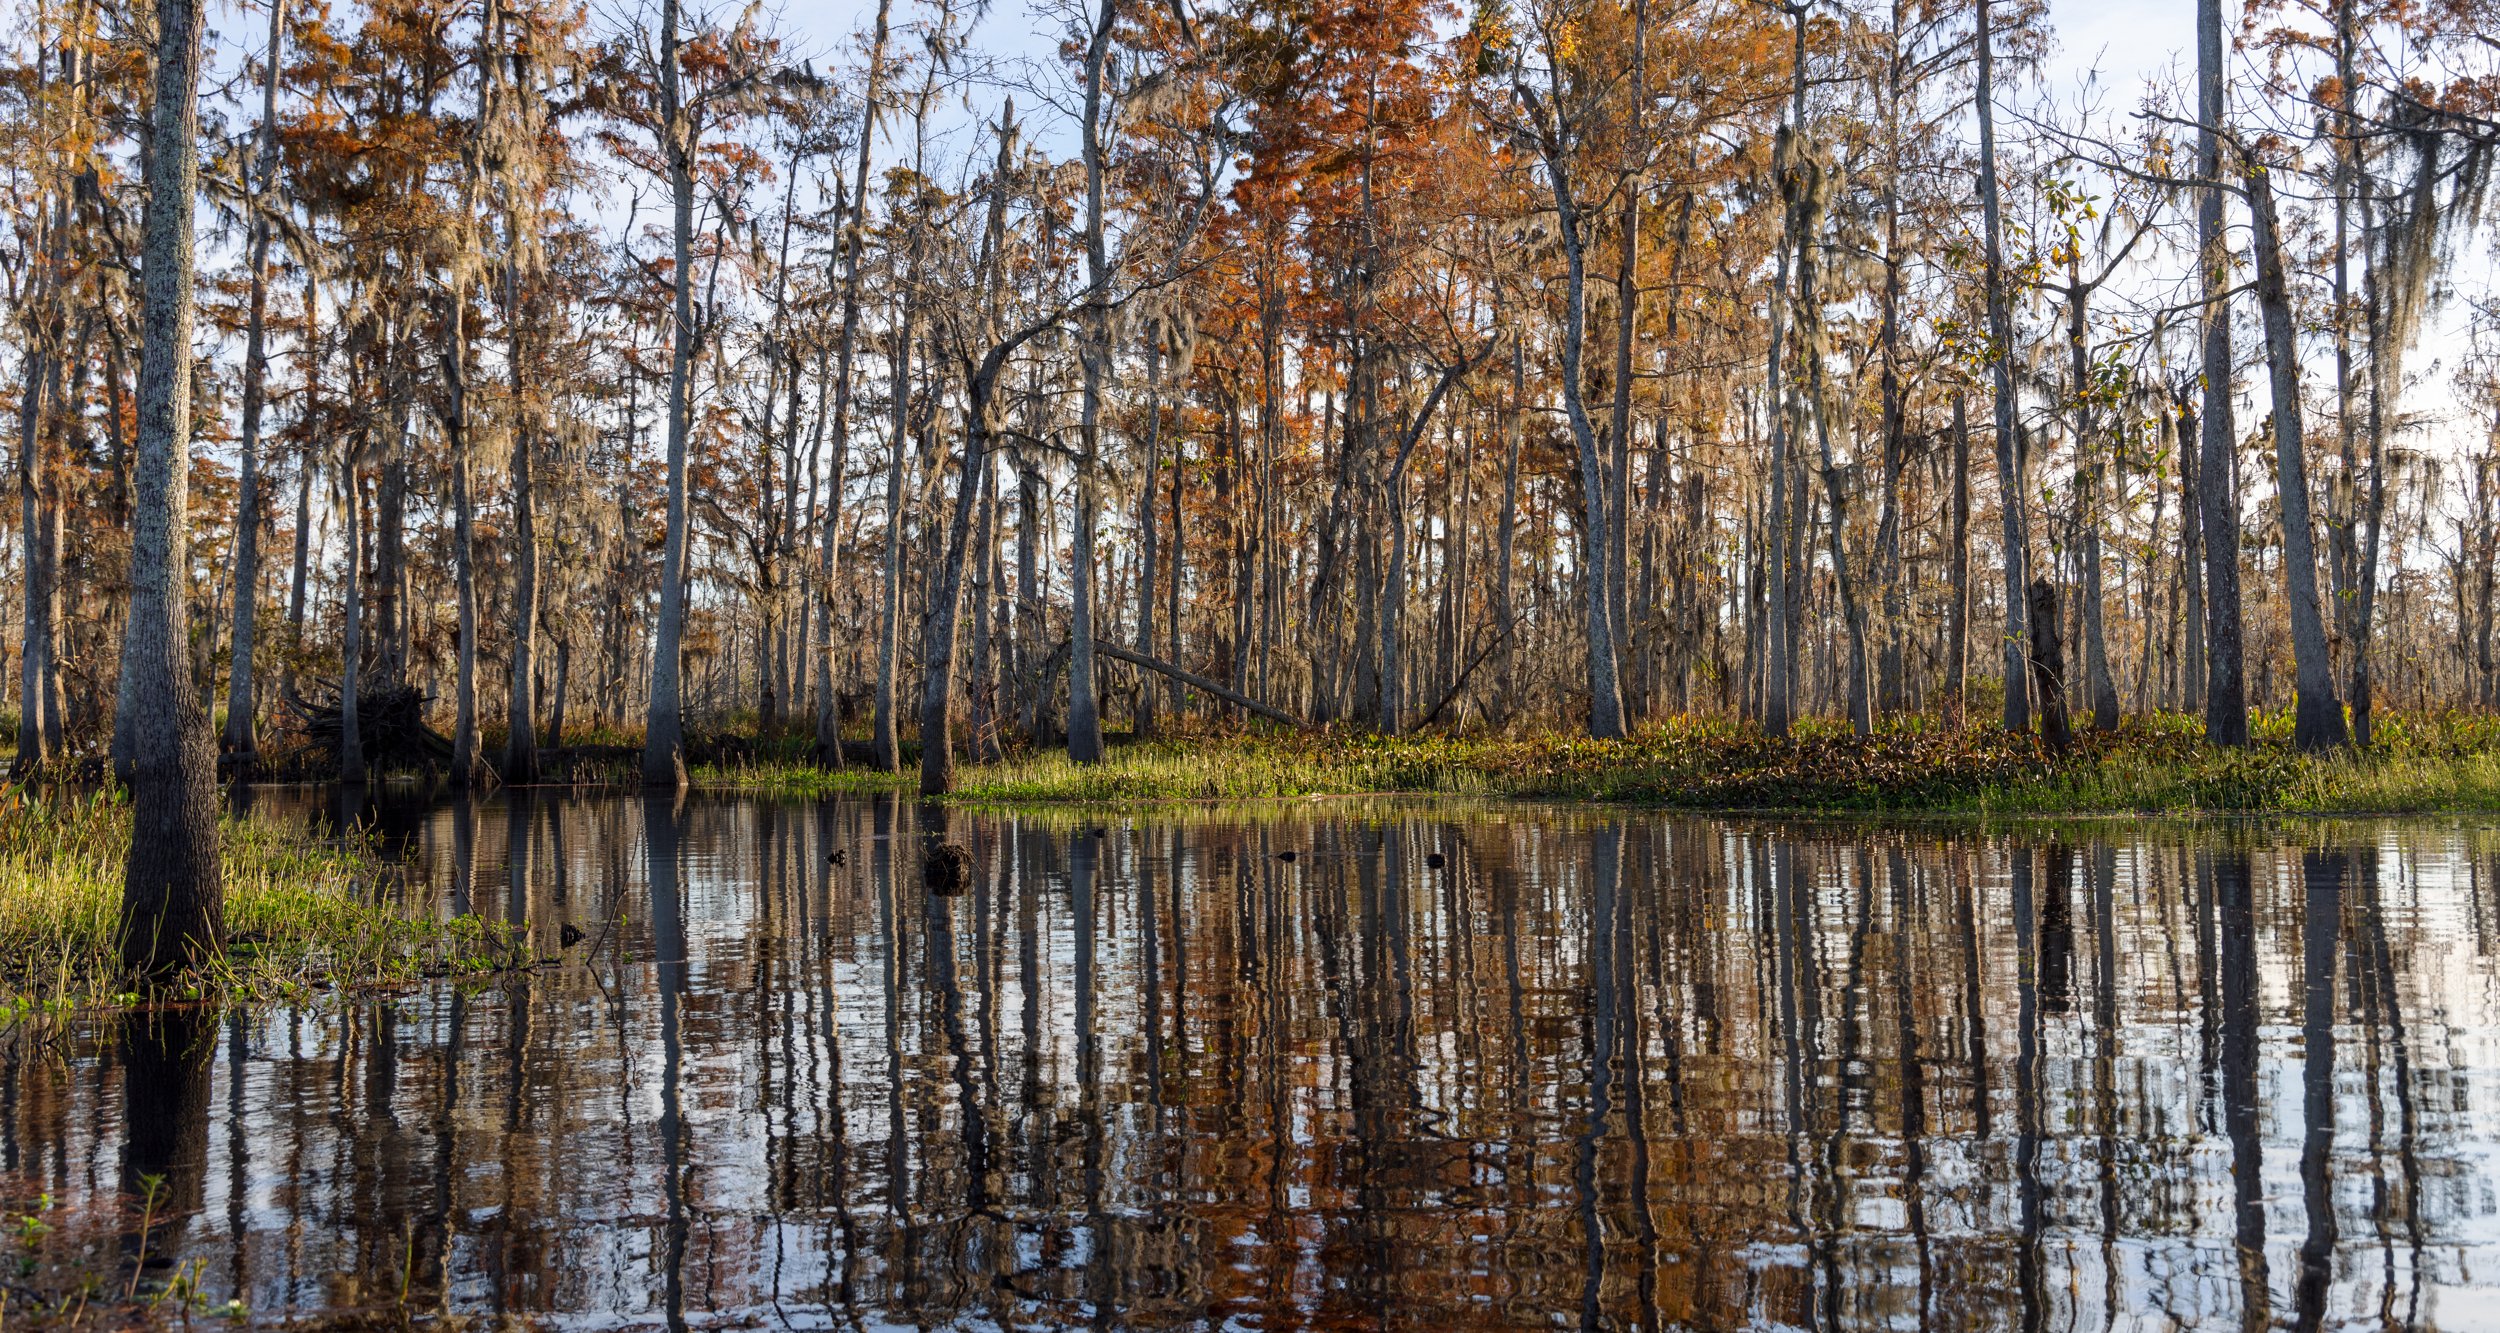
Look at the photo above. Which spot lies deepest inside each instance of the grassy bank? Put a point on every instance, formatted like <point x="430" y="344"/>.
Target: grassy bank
<point x="2444" y="763"/>
<point x="302" y="912"/>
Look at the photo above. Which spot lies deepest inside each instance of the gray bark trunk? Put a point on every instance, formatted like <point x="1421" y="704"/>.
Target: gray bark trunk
<point x="1094" y="352"/>
<point x="173" y="891"/>
<point x="664" y="742"/>
<point x="2098" y="686"/>
<point x="1605" y="696"/>
<point x="1957" y="587"/>
<point x="1147" y="536"/>
<point x="242" y="736"/>
<point x="2000" y="366"/>
<point x="2318" y="722"/>
<point x="888" y="747"/>
<point x="2226" y="699"/>
<point x="828" y="701"/>
<point x="520" y="750"/>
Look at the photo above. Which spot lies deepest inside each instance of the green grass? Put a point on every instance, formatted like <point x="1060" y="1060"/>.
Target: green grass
<point x="303" y="912"/>
<point x="2446" y="762"/>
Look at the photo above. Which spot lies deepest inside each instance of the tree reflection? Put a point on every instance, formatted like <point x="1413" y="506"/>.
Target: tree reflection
<point x="1634" y="1072"/>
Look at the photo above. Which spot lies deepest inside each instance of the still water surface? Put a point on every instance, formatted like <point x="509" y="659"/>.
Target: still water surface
<point x="1445" y="1067"/>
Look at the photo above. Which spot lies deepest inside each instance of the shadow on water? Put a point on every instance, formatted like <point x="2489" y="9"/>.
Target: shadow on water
<point x="1464" y="1066"/>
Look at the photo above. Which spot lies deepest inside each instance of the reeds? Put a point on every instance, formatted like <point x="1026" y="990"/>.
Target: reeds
<point x="2441" y="762"/>
<point x="304" y="912"/>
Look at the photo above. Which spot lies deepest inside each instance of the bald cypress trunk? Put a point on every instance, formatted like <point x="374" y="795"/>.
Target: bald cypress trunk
<point x="2226" y="699"/>
<point x="888" y="747"/>
<point x="173" y="892"/>
<point x="466" y="765"/>
<point x="241" y="737"/>
<point x="1957" y="607"/>
<point x="2099" y="688"/>
<point x="35" y="598"/>
<point x="2000" y="367"/>
<point x="520" y="749"/>
<point x="2318" y="722"/>
<point x="664" y="746"/>
<point x="1094" y="356"/>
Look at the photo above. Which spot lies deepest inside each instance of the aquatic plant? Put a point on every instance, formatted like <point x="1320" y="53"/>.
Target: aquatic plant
<point x="304" y="911"/>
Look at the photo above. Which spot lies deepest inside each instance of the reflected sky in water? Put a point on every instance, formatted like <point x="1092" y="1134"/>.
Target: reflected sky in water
<point x="1449" y="1066"/>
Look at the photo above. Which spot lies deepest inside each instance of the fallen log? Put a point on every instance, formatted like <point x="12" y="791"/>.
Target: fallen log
<point x="390" y="723"/>
<point x="1200" y="683"/>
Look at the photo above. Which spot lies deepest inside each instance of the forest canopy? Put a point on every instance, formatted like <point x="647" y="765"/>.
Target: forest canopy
<point x="566" y="374"/>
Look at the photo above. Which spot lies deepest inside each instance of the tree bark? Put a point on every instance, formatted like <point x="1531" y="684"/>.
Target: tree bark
<point x="937" y="654"/>
<point x="2000" y="366"/>
<point x="2365" y="599"/>
<point x="2191" y="559"/>
<point x="520" y="749"/>
<point x="35" y="639"/>
<point x="2098" y="685"/>
<point x="1957" y="588"/>
<point x="1094" y="356"/>
<point x="886" y="745"/>
<point x="664" y="742"/>
<point x="465" y="762"/>
<point x="1627" y="333"/>
<point x="2048" y="667"/>
<point x="2318" y="721"/>
<point x="1804" y="187"/>
<point x="2226" y="700"/>
<point x="242" y="736"/>
<point x="173" y="890"/>
<point x="1147" y="536"/>
<point x="828" y="701"/>
<point x="1605" y="696"/>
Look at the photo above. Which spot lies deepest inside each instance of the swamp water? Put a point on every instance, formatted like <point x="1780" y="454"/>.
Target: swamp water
<point x="1448" y="1066"/>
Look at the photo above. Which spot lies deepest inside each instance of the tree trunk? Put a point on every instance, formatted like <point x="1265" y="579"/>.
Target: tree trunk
<point x="1146" y="524"/>
<point x="352" y="629"/>
<point x="1892" y="690"/>
<point x="882" y="738"/>
<point x="1506" y="538"/>
<point x="985" y="731"/>
<point x="2098" y="685"/>
<point x="2318" y="723"/>
<point x="1094" y="354"/>
<point x="937" y="693"/>
<point x="828" y="700"/>
<point x="301" y="570"/>
<point x="520" y="748"/>
<point x="242" y="737"/>
<point x="2191" y="560"/>
<point x="2365" y="598"/>
<point x="937" y="654"/>
<point x="1172" y="605"/>
<point x="664" y="742"/>
<point x="1605" y="699"/>
<point x="36" y="639"/>
<point x="1619" y="427"/>
<point x="1957" y="588"/>
<point x="2226" y="699"/>
<point x="2000" y="366"/>
<point x="465" y="762"/>
<point x="2048" y="667"/>
<point x="1803" y="184"/>
<point x="173" y="891"/>
<point x="1028" y="640"/>
<point x="563" y="690"/>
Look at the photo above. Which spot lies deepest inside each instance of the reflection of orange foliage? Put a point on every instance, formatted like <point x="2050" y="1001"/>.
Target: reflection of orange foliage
<point x="1349" y="1093"/>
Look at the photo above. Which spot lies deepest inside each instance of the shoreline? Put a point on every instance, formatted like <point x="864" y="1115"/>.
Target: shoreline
<point x="2440" y="765"/>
